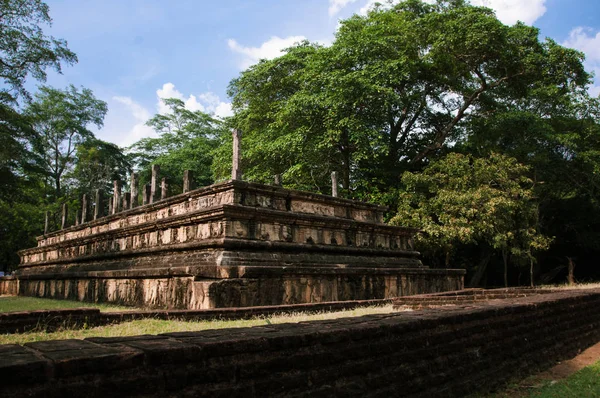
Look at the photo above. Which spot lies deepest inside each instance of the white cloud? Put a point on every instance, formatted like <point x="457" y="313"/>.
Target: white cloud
<point x="126" y="111"/>
<point x="224" y="109"/>
<point x="268" y="50"/>
<point x="587" y="41"/>
<point x="126" y="119"/>
<point x="336" y="6"/>
<point x="511" y="11"/>
<point x="207" y="102"/>
<point x="507" y="11"/>
<point x="168" y="90"/>
<point x="371" y="3"/>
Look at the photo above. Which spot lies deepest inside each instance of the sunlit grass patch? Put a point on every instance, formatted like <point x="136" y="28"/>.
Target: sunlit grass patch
<point x="157" y="326"/>
<point x="22" y="303"/>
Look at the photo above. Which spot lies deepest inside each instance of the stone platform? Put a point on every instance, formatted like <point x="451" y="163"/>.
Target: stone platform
<point x="232" y="244"/>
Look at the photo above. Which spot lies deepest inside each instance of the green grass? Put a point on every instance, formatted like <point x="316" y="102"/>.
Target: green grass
<point x="156" y="326"/>
<point x="584" y="383"/>
<point x="21" y="303"/>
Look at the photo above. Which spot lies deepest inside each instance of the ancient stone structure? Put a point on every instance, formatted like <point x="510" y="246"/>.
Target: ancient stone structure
<point x="232" y="244"/>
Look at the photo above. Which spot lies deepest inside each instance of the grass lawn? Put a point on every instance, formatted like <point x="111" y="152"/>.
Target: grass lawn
<point x="21" y="303"/>
<point x="584" y="383"/>
<point x="157" y="326"/>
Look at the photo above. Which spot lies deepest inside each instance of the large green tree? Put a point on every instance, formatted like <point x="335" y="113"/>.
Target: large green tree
<point x="97" y="164"/>
<point x="391" y="91"/>
<point x="26" y="53"/>
<point x="61" y="120"/>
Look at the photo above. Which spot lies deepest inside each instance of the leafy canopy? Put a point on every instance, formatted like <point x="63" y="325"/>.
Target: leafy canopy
<point x="462" y="200"/>
<point x="61" y="119"/>
<point x="25" y="49"/>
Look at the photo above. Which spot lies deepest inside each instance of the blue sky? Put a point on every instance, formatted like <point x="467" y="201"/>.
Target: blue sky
<point x="133" y="52"/>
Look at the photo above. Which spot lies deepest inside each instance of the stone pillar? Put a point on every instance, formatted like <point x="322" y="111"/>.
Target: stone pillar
<point x="164" y="187"/>
<point x="147" y="194"/>
<point x="277" y="180"/>
<point x="188" y="181"/>
<point x="116" y="196"/>
<point x="99" y="209"/>
<point x="154" y="183"/>
<point x="126" y="201"/>
<point x="77" y="215"/>
<point x="65" y="213"/>
<point x="84" y="208"/>
<point x="111" y="204"/>
<point x="135" y="182"/>
<point x="236" y="173"/>
<point x="334" y="184"/>
<point x="47" y="223"/>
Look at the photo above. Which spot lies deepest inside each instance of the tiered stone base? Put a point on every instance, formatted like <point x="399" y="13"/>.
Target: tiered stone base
<point x="230" y="245"/>
<point x="259" y="286"/>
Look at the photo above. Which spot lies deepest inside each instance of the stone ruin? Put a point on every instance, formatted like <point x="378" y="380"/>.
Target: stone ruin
<point x="232" y="244"/>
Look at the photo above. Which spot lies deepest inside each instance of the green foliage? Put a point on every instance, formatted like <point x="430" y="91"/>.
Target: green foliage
<point x="186" y="142"/>
<point x="24" y="49"/>
<point x="60" y="119"/>
<point x="389" y="93"/>
<point x="461" y="200"/>
<point x="25" y="53"/>
<point x="20" y="222"/>
<point x="97" y="164"/>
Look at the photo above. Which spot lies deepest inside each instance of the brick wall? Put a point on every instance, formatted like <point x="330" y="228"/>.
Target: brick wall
<point x="438" y="352"/>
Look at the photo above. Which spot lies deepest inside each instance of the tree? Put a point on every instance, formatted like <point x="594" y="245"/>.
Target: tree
<point x="461" y="200"/>
<point x="560" y="142"/>
<point x="97" y="164"/>
<point x="60" y="119"/>
<point x="186" y="141"/>
<point x="24" y="49"/>
<point x="24" y="52"/>
<point x="390" y="92"/>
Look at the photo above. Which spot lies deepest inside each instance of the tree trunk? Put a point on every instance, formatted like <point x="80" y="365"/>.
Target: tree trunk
<point x="531" y="272"/>
<point x="505" y="260"/>
<point x="571" y="276"/>
<point x="57" y="185"/>
<point x="346" y="160"/>
<point x="481" y="269"/>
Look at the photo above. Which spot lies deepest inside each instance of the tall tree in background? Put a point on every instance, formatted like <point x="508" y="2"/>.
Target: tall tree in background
<point x="390" y="92"/>
<point x="61" y="119"/>
<point x="25" y="53"/>
<point x="185" y="142"/>
<point x="97" y="164"/>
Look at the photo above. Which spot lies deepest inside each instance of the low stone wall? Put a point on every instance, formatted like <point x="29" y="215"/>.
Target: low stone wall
<point x="9" y="286"/>
<point x="259" y="286"/>
<point x="428" y="353"/>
